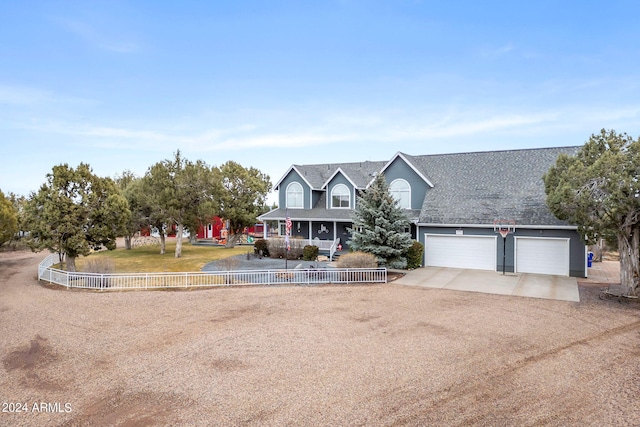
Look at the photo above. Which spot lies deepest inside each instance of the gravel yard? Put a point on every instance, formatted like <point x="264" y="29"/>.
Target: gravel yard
<point x="328" y="355"/>
<point x="242" y="262"/>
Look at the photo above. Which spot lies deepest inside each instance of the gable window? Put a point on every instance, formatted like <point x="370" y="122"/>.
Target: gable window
<point x="295" y="195"/>
<point x="401" y="191"/>
<point x="340" y="197"/>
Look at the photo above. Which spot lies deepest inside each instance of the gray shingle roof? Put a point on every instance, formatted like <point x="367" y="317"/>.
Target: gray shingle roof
<point x="361" y="173"/>
<point x="469" y="188"/>
<point x="320" y="214"/>
<point x="476" y="188"/>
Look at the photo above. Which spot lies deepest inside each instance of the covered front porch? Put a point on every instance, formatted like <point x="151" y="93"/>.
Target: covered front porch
<point x="330" y="237"/>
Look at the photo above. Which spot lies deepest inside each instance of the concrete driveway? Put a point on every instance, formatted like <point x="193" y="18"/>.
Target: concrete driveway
<point x="492" y="282"/>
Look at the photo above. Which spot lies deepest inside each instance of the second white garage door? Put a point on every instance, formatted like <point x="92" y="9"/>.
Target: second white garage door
<point x="458" y="251"/>
<point x="542" y="255"/>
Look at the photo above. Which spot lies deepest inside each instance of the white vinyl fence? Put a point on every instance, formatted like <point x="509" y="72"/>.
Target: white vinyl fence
<point x="206" y="279"/>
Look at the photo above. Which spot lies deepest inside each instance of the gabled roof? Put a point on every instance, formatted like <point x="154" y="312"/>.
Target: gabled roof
<point x="339" y="170"/>
<point x="318" y="213"/>
<point x="358" y="173"/>
<point x="409" y="160"/>
<point x="294" y="168"/>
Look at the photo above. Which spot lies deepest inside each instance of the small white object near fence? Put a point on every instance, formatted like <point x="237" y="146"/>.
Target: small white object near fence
<point x="207" y="278"/>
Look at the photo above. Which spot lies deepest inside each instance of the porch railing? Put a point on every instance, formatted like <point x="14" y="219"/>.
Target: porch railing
<point x="333" y="248"/>
<point x="324" y="245"/>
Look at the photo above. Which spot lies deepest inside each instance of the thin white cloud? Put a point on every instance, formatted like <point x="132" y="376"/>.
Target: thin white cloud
<point x="325" y="130"/>
<point x="20" y="95"/>
<point x="106" y="132"/>
<point x="93" y="36"/>
<point x="293" y="140"/>
<point x="495" y="52"/>
<point x="122" y="47"/>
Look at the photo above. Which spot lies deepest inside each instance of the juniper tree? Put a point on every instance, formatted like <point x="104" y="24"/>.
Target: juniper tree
<point x="179" y="191"/>
<point x="598" y="189"/>
<point x="379" y="226"/>
<point x="73" y="212"/>
<point x="243" y="197"/>
<point x="8" y="219"/>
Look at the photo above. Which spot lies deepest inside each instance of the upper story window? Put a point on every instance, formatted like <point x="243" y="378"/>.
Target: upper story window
<point x="401" y="191"/>
<point x="295" y="195"/>
<point x="340" y="197"/>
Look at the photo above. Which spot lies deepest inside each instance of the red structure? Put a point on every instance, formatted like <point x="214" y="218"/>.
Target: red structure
<point x="211" y="230"/>
<point x="214" y="230"/>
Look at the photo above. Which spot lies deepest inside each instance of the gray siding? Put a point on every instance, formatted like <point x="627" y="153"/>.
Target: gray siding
<point x="316" y="226"/>
<point x="400" y="170"/>
<point x="344" y="234"/>
<point x="340" y="179"/>
<point x="300" y="229"/>
<point x="576" y="246"/>
<point x="282" y="192"/>
<point x="315" y="197"/>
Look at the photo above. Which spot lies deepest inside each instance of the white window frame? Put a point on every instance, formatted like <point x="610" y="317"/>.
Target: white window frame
<point x="347" y="193"/>
<point x="289" y="191"/>
<point x="401" y="191"/>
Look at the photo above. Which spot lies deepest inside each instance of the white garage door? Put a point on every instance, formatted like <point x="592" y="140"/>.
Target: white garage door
<point x="457" y="251"/>
<point x="542" y="255"/>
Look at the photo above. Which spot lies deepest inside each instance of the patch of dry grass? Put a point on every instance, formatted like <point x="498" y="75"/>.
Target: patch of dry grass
<point x="148" y="259"/>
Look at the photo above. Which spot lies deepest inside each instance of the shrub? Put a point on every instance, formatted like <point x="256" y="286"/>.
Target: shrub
<point x="100" y="265"/>
<point x="414" y="255"/>
<point x="278" y="248"/>
<point x="261" y="245"/>
<point x="229" y="264"/>
<point x="310" y="253"/>
<point x="358" y="260"/>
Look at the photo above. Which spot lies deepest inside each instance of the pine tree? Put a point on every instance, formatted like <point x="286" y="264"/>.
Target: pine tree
<point x="379" y="226"/>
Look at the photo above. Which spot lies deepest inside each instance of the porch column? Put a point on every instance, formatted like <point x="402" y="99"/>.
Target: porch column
<point x="335" y="230"/>
<point x="310" y="234"/>
<point x="264" y="230"/>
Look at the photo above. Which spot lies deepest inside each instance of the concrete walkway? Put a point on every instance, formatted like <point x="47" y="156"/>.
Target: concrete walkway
<point x="517" y="284"/>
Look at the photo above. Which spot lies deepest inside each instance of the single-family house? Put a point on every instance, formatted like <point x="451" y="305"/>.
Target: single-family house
<point x="452" y="201"/>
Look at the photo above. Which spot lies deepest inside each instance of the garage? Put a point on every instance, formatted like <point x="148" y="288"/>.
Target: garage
<point x="542" y="255"/>
<point x="459" y="251"/>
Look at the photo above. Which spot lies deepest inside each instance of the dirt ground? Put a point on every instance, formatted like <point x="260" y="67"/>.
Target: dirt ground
<point x="331" y="355"/>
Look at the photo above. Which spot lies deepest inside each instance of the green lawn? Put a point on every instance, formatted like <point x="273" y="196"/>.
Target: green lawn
<point x="148" y="259"/>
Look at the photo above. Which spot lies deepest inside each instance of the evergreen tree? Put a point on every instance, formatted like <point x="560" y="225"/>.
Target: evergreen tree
<point x="379" y="226"/>
<point x="73" y="212"/>
<point x="8" y="219"/>
<point x="243" y="197"/>
<point x="598" y="190"/>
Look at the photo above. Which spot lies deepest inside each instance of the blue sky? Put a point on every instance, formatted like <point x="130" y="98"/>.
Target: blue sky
<point x="121" y="85"/>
